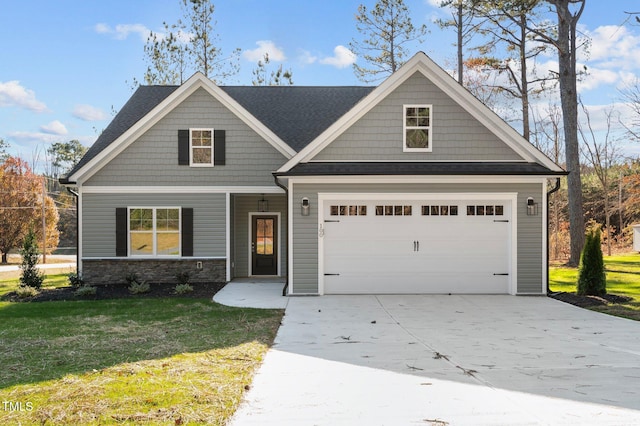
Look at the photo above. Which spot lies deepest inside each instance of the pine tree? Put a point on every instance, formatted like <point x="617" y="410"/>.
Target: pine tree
<point x="592" y="280"/>
<point x="31" y="277"/>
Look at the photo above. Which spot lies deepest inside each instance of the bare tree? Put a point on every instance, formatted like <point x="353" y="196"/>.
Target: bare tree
<point x="601" y="153"/>
<point x="387" y="29"/>
<point x="547" y="137"/>
<point x="631" y="96"/>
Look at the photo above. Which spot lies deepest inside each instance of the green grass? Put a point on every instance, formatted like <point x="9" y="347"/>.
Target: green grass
<point x="128" y="361"/>
<point x="57" y="280"/>
<point x="623" y="278"/>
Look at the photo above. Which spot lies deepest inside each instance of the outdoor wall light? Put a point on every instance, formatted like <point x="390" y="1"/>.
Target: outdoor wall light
<point x="532" y="207"/>
<point x="263" y="205"/>
<point x="305" y="206"/>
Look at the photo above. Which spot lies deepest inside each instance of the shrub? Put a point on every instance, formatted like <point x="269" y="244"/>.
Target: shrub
<point x="75" y="280"/>
<point x="31" y="276"/>
<point x="85" y="290"/>
<point x="183" y="289"/>
<point x="25" y="291"/>
<point x="139" y="288"/>
<point x="132" y="278"/>
<point x="592" y="280"/>
<point x="183" y="277"/>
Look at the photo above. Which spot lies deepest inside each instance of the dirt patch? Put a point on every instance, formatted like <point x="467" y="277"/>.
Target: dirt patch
<point x="589" y="301"/>
<point x="118" y="291"/>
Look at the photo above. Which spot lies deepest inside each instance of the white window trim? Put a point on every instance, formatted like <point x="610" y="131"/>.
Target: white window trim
<point x="405" y="127"/>
<point x="155" y="234"/>
<point x="191" y="163"/>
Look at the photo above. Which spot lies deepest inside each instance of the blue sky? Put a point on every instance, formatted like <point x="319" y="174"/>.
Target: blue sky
<point x="68" y="64"/>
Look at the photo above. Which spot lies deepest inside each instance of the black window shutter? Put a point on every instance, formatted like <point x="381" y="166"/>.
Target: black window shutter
<point x="187" y="231"/>
<point x="183" y="147"/>
<point x="219" y="148"/>
<point x="121" y="231"/>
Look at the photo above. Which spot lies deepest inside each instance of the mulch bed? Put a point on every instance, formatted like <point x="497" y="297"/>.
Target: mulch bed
<point x="589" y="301"/>
<point x="118" y="291"/>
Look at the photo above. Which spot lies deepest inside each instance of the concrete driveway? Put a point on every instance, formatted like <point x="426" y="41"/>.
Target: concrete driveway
<point x="446" y="360"/>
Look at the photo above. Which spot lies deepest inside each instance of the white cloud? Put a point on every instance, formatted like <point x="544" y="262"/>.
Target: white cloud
<point x="34" y="137"/>
<point x="265" y="47"/>
<point x="342" y="57"/>
<point x="122" y="31"/>
<point x="612" y="41"/>
<point x="306" y="58"/>
<point x="54" y="128"/>
<point x="434" y="3"/>
<point x="89" y="113"/>
<point x="13" y="94"/>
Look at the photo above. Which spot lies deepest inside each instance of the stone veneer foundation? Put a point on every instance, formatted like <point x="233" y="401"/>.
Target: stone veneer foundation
<point x="114" y="271"/>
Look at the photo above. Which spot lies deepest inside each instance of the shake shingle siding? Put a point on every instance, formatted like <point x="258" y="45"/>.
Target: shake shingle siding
<point x="457" y="136"/>
<point x="153" y="159"/>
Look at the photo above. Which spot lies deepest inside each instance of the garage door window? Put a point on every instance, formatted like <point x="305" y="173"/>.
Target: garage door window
<point x="439" y="210"/>
<point x="394" y="210"/>
<point x="491" y="210"/>
<point x="348" y="210"/>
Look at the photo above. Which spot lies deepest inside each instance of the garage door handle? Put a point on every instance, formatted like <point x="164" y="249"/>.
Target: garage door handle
<point x="501" y="221"/>
<point x="331" y="275"/>
<point x="501" y="274"/>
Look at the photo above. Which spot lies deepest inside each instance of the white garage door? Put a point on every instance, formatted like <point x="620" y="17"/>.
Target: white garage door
<point x="416" y="246"/>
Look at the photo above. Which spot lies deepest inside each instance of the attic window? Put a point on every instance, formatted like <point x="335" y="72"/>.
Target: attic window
<point x="417" y="128"/>
<point x="201" y="147"/>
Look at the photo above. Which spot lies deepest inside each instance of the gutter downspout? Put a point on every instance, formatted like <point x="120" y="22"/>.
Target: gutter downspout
<point x="286" y="236"/>
<point x="75" y="194"/>
<point x="551" y="191"/>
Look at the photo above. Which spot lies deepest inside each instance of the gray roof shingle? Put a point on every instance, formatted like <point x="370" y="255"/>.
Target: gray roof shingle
<point x="297" y="114"/>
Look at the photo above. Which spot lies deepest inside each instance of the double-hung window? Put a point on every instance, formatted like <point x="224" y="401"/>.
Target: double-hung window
<point x="154" y="231"/>
<point x="417" y="128"/>
<point x="201" y="147"/>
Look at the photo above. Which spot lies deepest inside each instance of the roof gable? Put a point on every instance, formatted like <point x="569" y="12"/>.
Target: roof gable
<point x="141" y="113"/>
<point x="422" y="64"/>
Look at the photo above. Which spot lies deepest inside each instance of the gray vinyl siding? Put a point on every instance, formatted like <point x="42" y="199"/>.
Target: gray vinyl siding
<point x="529" y="239"/>
<point x="153" y="159"/>
<point x="99" y="225"/>
<point x="457" y="136"/>
<point x="242" y="206"/>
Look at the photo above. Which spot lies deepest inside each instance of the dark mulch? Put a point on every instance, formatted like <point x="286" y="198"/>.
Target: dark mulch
<point x="589" y="301"/>
<point x="118" y="291"/>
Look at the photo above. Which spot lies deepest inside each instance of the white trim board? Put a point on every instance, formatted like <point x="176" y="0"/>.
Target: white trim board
<point x="182" y="189"/>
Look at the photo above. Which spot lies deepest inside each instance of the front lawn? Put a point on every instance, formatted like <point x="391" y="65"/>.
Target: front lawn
<point x="128" y="361"/>
<point x="623" y="278"/>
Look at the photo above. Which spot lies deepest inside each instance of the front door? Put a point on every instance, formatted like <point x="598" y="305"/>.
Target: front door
<point x="264" y="244"/>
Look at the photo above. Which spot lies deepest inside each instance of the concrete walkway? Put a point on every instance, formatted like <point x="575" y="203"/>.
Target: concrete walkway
<point x="253" y="293"/>
<point x="446" y="360"/>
